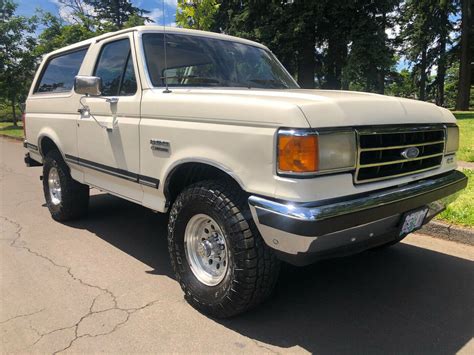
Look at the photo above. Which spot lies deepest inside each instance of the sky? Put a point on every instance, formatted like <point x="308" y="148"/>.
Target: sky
<point x="28" y="8"/>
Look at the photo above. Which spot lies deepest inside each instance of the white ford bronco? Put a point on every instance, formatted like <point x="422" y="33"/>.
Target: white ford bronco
<point x="251" y="169"/>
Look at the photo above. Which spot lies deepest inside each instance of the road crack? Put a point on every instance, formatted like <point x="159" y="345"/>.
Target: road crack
<point x="129" y="311"/>
<point x="22" y="316"/>
<point x="15" y="244"/>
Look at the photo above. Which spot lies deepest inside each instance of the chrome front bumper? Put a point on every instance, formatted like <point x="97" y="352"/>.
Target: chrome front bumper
<point x="305" y="231"/>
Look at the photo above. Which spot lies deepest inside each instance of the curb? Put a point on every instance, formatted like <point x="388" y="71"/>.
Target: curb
<point x="449" y="232"/>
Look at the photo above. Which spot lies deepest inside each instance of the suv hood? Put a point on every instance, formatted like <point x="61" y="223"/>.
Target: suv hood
<point x="293" y="108"/>
<point x="323" y="108"/>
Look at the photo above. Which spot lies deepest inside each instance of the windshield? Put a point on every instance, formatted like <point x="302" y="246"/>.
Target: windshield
<point x="207" y="62"/>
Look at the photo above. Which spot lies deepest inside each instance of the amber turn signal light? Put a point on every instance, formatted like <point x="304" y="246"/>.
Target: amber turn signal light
<point x="298" y="154"/>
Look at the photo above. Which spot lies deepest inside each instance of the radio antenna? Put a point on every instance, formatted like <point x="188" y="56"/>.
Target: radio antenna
<point x="167" y="91"/>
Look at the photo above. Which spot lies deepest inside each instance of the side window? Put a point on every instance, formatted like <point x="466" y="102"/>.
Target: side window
<point x="58" y="76"/>
<point x="115" y="67"/>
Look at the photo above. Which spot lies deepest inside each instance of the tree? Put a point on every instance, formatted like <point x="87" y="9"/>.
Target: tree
<point x="451" y="85"/>
<point x="115" y="14"/>
<point x="427" y="26"/>
<point x="286" y="27"/>
<point x="371" y="55"/>
<point x="333" y="31"/>
<point x="442" y="28"/>
<point x="417" y="37"/>
<point x="17" y="62"/>
<point x="344" y="44"/>
<point x="402" y="85"/>
<point x="467" y="49"/>
<point x="76" y="12"/>
<point x="196" y="14"/>
<point x="58" y="34"/>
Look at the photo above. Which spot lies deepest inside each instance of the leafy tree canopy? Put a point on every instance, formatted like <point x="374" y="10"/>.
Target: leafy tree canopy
<point x="17" y="61"/>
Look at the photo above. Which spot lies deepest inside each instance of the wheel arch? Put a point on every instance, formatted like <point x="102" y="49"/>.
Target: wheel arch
<point x="187" y="172"/>
<point x="48" y="141"/>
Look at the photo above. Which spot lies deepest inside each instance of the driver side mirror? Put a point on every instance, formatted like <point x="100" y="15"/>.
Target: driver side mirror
<point x="88" y="85"/>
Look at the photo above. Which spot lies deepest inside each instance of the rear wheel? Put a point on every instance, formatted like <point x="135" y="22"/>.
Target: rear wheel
<point x="66" y="198"/>
<point x="219" y="258"/>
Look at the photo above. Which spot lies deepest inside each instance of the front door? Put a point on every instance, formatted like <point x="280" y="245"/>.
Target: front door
<point x="108" y="129"/>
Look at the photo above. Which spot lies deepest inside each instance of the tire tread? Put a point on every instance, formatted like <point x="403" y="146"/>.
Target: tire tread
<point x="254" y="281"/>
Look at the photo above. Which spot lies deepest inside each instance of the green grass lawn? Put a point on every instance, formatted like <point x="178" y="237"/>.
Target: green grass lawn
<point x="461" y="211"/>
<point x="8" y="129"/>
<point x="466" y="141"/>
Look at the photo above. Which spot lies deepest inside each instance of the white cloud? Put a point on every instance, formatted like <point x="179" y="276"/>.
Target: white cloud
<point x="170" y="2"/>
<point x="156" y="15"/>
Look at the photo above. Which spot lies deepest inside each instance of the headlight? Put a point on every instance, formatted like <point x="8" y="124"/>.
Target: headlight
<point x="452" y="139"/>
<point x="307" y="152"/>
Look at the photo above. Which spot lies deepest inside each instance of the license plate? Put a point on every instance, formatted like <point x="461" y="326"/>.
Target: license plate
<point x="413" y="220"/>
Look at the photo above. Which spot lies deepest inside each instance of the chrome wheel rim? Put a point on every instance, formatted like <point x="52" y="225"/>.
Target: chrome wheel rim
<point x="54" y="186"/>
<point x="206" y="249"/>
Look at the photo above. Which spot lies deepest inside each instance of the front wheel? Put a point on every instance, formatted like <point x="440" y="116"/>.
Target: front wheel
<point x="219" y="258"/>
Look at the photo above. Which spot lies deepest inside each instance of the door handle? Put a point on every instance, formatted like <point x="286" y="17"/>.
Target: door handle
<point x="86" y="112"/>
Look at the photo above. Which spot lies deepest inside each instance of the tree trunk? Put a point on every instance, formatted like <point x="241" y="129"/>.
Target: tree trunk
<point x="13" y="102"/>
<point x="464" y="86"/>
<point x="345" y="85"/>
<point x="381" y="72"/>
<point x="118" y="19"/>
<point x="441" y="74"/>
<point x="335" y="59"/>
<point x="423" y="76"/>
<point x="381" y="82"/>
<point x="306" y="64"/>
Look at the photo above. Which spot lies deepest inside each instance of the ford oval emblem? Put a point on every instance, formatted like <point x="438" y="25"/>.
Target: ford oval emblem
<point x="410" y="153"/>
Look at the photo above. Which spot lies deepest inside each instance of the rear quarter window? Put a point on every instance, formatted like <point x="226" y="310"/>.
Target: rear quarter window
<point x="59" y="72"/>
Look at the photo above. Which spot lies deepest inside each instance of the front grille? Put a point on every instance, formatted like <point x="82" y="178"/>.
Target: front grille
<point x="380" y="152"/>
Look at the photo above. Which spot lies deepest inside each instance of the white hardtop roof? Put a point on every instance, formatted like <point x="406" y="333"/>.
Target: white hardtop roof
<point x="158" y="29"/>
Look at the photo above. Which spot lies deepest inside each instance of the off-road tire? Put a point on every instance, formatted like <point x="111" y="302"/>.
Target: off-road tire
<point x="74" y="195"/>
<point x="253" y="268"/>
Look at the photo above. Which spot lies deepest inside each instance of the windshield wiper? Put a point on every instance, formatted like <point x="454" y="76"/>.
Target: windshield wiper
<point x="275" y="83"/>
<point x="203" y="78"/>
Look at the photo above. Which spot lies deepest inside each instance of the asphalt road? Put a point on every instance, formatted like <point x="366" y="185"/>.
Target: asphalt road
<point x="104" y="284"/>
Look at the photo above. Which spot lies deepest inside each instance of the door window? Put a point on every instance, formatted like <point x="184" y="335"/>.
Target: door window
<point x="115" y="67"/>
